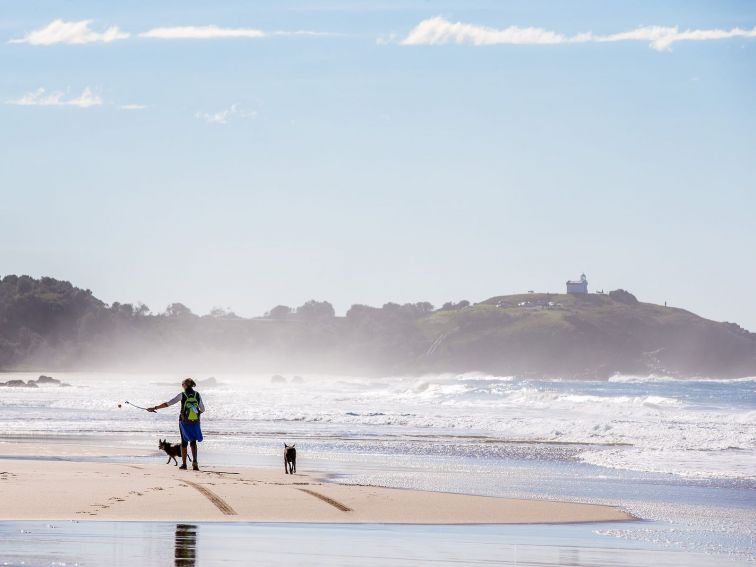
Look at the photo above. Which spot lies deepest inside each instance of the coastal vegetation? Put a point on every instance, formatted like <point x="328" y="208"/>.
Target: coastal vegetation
<point x="48" y="324"/>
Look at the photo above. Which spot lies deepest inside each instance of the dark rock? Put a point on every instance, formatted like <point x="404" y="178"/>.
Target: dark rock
<point x="277" y="379"/>
<point x="18" y="384"/>
<point x="297" y="380"/>
<point x="208" y="383"/>
<point x="47" y="380"/>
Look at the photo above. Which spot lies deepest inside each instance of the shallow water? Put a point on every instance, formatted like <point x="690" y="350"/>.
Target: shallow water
<point x="681" y="453"/>
<point x="187" y="545"/>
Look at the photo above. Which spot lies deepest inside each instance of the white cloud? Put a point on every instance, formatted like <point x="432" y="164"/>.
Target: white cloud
<point x="41" y="97"/>
<point x="132" y="107"/>
<point x="661" y="38"/>
<point x="223" y="116"/>
<point x="215" y="32"/>
<point x="440" y="31"/>
<point x="201" y="32"/>
<point x="79" y="32"/>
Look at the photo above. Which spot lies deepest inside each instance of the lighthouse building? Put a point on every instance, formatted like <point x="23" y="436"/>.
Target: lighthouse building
<point x="579" y="287"/>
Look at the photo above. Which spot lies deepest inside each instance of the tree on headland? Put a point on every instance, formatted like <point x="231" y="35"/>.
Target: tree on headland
<point x="419" y="309"/>
<point x="359" y="312"/>
<point x="178" y="311"/>
<point x="409" y="310"/>
<point x="313" y="310"/>
<point x="222" y="313"/>
<point x="623" y="296"/>
<point x="125" y="309"/>
<point x="451" y="306"/>
<point x="279" y="312"/>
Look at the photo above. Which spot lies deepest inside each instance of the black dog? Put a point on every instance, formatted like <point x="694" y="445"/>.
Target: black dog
<point x="172" y="450"/>
<point x="290" y="459"/>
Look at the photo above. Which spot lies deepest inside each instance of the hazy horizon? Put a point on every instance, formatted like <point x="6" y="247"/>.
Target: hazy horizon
<point x="244" y="156"/>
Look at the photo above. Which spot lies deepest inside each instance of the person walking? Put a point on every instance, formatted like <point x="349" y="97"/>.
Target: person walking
<point x="192" y="408"/>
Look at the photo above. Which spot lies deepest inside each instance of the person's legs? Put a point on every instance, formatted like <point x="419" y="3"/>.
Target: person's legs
<point x="193" y="445"/>
<point x="184" y="444"/>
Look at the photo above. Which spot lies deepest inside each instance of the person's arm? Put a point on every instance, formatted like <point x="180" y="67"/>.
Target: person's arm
<point x="201" y="405"/>
<point x="175" y="400"/>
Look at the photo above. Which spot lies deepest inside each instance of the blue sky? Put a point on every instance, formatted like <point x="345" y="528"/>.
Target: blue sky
<point x="395" y="151"/>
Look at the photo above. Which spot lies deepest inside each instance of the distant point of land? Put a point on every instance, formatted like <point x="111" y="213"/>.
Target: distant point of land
<point x="50" y="324"/>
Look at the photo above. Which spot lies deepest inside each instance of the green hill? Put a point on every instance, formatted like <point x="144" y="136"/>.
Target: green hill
<point x="47" y="324"/>
<point x="593" y="335"/>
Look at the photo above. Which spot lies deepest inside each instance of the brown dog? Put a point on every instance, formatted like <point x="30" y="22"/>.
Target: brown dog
<point x="290" y="459"/>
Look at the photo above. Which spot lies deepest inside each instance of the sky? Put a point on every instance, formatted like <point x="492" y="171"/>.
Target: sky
<point x="248" y="154"/>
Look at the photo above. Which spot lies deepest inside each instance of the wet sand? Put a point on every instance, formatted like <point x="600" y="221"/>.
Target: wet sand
<point x="49" y="486"/>
<point x="156" y="544"/>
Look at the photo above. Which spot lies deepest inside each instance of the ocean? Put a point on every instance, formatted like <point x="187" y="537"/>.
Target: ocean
<point x="681" y="454"/>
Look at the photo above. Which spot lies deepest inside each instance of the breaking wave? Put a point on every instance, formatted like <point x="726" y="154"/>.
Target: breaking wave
<point x="695" y="428"/>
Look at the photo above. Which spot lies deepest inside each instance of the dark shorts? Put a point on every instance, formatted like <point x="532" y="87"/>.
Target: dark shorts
<point x="190" y="432"/>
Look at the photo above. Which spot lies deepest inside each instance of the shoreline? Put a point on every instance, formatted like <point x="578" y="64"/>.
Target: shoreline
<point x="38" y="483"/>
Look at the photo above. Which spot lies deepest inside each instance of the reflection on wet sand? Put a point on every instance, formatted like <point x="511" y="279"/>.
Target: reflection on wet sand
<point x="185" y="542"/>
<point x="147" y="544"/>
<point x="569" y="557"/>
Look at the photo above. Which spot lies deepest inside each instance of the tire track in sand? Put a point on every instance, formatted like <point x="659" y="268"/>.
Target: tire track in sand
<point x="219" y="503"/>
<point x="324" y="498"/>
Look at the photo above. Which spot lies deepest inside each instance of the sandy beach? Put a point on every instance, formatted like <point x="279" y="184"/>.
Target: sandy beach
<point x="47" y="487"/>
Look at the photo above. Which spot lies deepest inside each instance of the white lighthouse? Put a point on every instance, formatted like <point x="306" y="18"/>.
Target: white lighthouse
<point x="580" y="287"/>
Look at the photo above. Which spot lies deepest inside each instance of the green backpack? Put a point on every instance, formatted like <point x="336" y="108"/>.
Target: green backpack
<point x="191" y="407"/>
